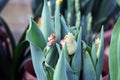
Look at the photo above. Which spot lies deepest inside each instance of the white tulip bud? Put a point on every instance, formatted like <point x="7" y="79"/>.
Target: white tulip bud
<point x="70" y="43"/>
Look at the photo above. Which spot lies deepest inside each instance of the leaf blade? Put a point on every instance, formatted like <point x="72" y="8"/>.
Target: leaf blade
<point x="113" y="63"/>
<point x="34" y="35"/>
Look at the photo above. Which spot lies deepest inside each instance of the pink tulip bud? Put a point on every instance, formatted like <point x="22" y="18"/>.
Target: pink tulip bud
<point x="51" y="40"/>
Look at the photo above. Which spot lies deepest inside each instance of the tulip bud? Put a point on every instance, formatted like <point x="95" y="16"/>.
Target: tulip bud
<point x="70" y="43"/>
<point x="51" y="40"/>
<point x="98" y="45"/>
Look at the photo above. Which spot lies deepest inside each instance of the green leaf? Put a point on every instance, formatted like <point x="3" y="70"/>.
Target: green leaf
<point x="35" y="36"/>
<point x="71" y="75"/>
<point x="93" y="54"/>
<point x="118" y="48"/>
<point x="65" y="51"/>
<point x="64" y="64"/>
<point x="70" y="10"/>
<point x="63" y="70"/>
<point x="113" y="56"/>
<point x="60" y="69"/>
<point x="36" y="16"/>
<point x="76" y="61"/>
<point x="118" y="1"/>
<point x="99" y="65"/>
<point x="100" y="77"/>
<point x="86" y="47"/>
<point x="19" y="56"/>
<point x="47" y="26"/>
<point x="57" y="23"/>
<point x="37" y="60"/>
<point x="52" y="56"/>
<point x="88" y="68"/>
<point x="64" y="27"/>
<point x="20" y="49"/>
<point x="49" y="71"/>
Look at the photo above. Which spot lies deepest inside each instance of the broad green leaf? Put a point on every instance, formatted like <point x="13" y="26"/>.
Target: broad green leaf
<point x="118" y="1"/>
<point x="36" y="16"/>
<point x="118" y="53"/>
<point x="76" y="61"/>
<point x="19" y="56"/>
<point x="88" y="68"/>
<point x="64" y="27"/>
<point x="71" y="75"/>
<point x="65" y="51"/>
<point x="93" y="54"/>
<point x="52" y="56"/>
<point x="20" y="50"/>
<point x="37" y="60"/>
<point x="99" y="65"/>
<point x="63" y="71"/>
<point x="60" y="69"/>
<point x="57" y="23"/>
<point x="113" y="56"/>
<point x="47" y="27"/>
<point x="35" y="36"/>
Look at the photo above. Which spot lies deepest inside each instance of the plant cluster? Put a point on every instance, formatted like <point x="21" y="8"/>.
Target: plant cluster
<point x="58" y="51"/>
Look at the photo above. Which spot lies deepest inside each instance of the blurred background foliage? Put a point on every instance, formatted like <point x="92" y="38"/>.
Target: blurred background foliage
<point x="100" y="10"/>
<point x="91" y="15"/>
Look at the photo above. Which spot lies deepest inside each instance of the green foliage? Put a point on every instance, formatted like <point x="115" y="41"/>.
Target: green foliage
<point x="114" y="53"/>
<point x="33" y="33"/>
<point x="118" y="1"/>
<point x="47" y="26"/>
<point x="88" y="68"/>
<point x="57" y="23"/>
<point x="57" y="63"/>
<point x="94" y="59"/>
<point x="38" y="58"/>
<point x="77" y="61"/>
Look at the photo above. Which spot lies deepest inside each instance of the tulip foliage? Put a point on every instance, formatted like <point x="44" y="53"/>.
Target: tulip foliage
<point x="58" y="51"/>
